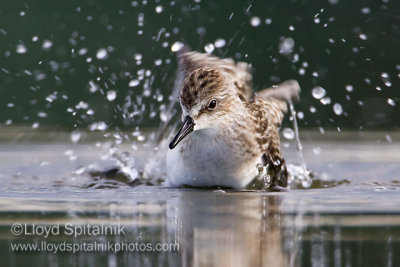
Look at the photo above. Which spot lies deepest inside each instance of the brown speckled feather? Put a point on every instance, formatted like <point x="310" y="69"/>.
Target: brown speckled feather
<point x="238" y="72"/>
<point x="267" y="115"/>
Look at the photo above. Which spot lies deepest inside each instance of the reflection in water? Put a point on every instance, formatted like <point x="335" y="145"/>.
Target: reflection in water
<point x="210" y="229"/>
<point x="227" y="231"/>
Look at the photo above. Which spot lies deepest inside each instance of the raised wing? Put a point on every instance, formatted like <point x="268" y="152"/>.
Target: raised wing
<point x="287" y="91"/>
<point x="238" y="72"/>
<point x="267" y="115"/>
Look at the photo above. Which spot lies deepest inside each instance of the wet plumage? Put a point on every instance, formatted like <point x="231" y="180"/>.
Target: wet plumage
<point x="227" y="134"/>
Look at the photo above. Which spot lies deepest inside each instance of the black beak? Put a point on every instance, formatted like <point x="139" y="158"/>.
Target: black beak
<point x="187" y="128"/>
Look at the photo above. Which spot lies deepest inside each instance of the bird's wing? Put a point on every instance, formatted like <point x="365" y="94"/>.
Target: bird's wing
<point x="267" y="115"/>
<point x="270" y="109"/>
<point x="271" y="103"/>
<point x="239" y="72"/>
<point x="287" y="91"/>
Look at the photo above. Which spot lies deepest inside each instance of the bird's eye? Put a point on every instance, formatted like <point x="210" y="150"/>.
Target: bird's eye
<point x="212" y="105"/>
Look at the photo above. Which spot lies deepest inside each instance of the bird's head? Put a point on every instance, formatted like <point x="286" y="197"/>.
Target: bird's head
<point x="206" y="98"/>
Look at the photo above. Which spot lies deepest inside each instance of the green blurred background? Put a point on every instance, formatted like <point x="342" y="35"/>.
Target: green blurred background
<point x="69" y="64"/>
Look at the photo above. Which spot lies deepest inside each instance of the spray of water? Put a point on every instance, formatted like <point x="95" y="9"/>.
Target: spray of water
<point x="303" y="174"/>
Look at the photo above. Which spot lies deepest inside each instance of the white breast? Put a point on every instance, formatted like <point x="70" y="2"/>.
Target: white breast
<point x="203" y="161"/>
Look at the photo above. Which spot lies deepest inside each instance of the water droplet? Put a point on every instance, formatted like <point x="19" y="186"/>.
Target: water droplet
<point x="391" y="102"/>
<point x="159" y="9"/>
<point x="80" y="170"/>
<point x="133" y="83"/>
<point x="47" y="44"/>
<point x="286" y="46"/>
<point x="325" y="101"/>
<point x="82" y="51"/>
<point x="268" y="21"/>
<point x="100" y="126"/>
<point x="111" y="95"/>
<point x="102" y="54"/>
<point x="75" y="136"/>
<point x="255" y="21"/>
<point x="288" y="133"/>
<point x="306" y="182"/>
<point x="349" y="88"/>
<point x="219" y="191"/>
<point x="177" y="46"/>
<point x="317" y="150"/>
<point x="93" y="87"/>
<point x="365" y="10"/>
<point x="42" y="114"/>
<point x="35" y="125"/>
<point x="163" y="116"/>
<point x="363" y="36"/>
<point x="313" y="109"/>
<point x="70" y="154"/>
<point x="291" y="28"/>
<point x="21" y="49"/>
<point x="147" y="92"/>
<point x="209" y="48"/>
<point x="138" y="57"/>
<point x="318" y="92"/>
<point x="39" y="76"/>
<point x="158" y="62"/>
<point x="338" y="109"/>
<point x="219" y="43"/>
<point x="82" y="105"/>
<point x="44" y="163"/>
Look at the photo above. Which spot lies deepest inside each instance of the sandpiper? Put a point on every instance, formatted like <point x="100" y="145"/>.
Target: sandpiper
<point x="227" y="134"/>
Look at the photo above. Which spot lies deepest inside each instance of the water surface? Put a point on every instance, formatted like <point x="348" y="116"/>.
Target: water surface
<point x="349" y="217"/>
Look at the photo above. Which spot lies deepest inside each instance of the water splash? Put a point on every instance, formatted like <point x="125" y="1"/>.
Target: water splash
<point x="303" y="175"/>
